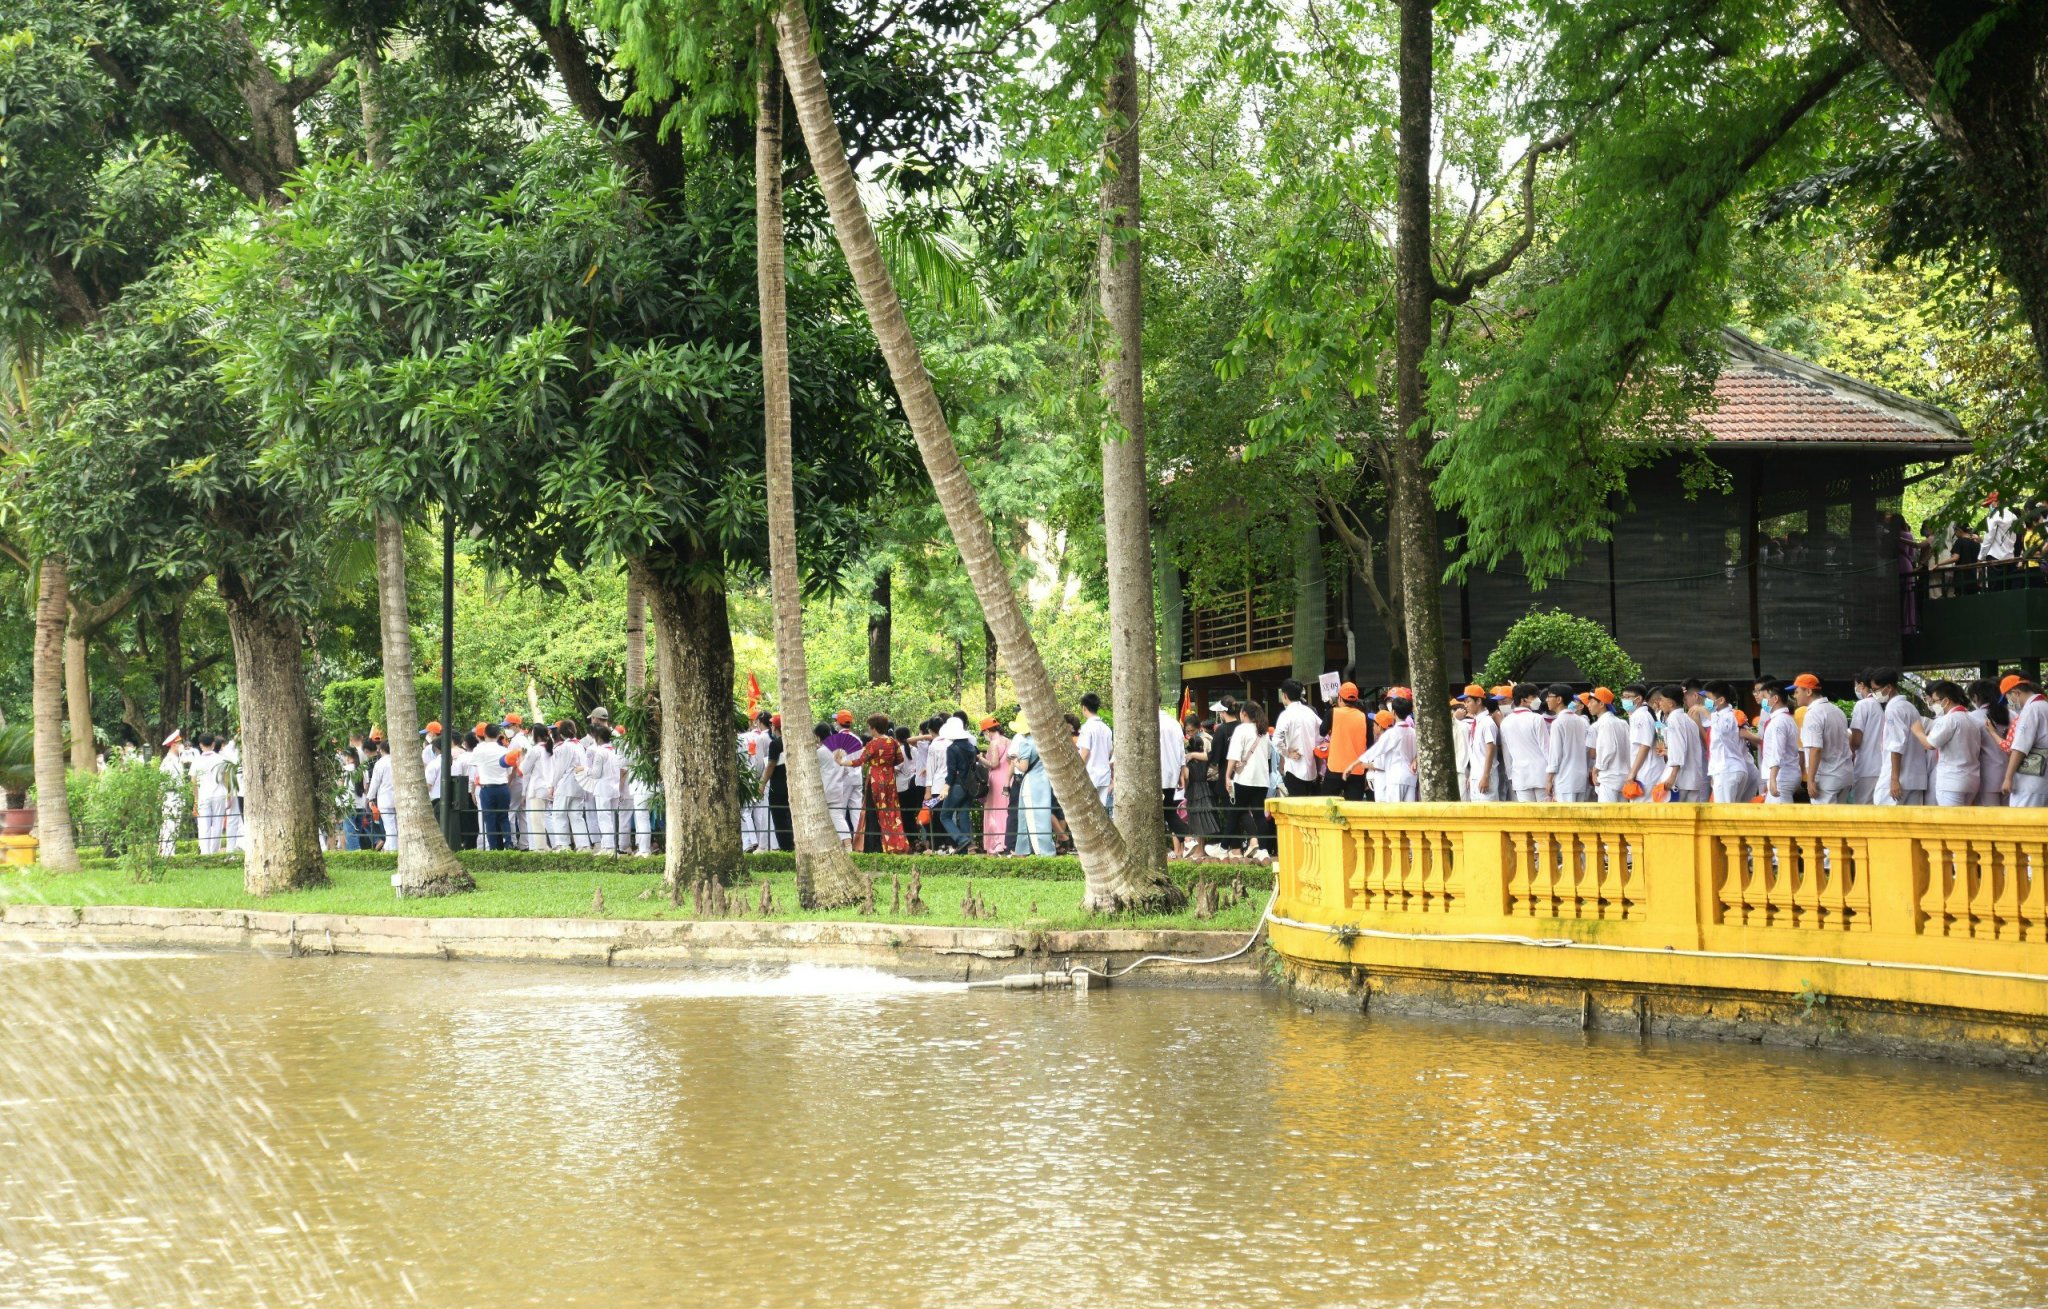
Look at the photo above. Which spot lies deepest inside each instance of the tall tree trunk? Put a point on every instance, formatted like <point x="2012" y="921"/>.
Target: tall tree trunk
<point x="426" y="866"/>
<point x="825" y="875"/>
<point x="1126" y="488"/>
<point x="1414" y="511"/>
<point x="56" y="849"/>
<point x="1100" y="846"/>
<point x="636" y="639"/>
<point x="281" y="819"/>
<point x="988" y="669"/>
<point x="170" y="682"/>
<point x="880" y="616"/>
<point x="699" y="750"/>
<point x="78" y="699"/>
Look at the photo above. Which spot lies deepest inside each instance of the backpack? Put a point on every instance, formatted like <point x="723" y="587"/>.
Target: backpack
<point x="974" y="774"/>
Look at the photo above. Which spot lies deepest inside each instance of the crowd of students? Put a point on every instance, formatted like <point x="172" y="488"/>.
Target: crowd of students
<point x="512" y="785"/>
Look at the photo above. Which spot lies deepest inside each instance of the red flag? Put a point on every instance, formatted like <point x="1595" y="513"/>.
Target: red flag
<point x="1187" y="702"/>
<point x="753" y="694"/>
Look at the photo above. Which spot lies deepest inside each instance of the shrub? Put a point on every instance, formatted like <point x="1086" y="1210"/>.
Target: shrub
<point x="122" y="806"/>
<point x="1582" y="641"/>
<point x="357" y="703"/>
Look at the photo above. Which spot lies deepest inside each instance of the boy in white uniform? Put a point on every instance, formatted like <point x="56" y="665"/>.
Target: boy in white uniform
<point x="1866" y="739"/>
<point x="1953" y="737"/>
<point x="1610" y="748"/>
<point x="210" y="795"/>
<point x="1779" y="749"/>
<point x="1646" y="767"/>
<point x="1394" y="778"/>
<point x="2026" y="767"/>
<point x="1729" y="770"/>
<point x="566" y="829"/>
<point x="1990" y="746"/>
<point x="1525" y="741"/>
<point x="1482" y="748"/>
<point x="1904" y="779"/>
<point x="537" y="770"/>
<point x="1569" y="762"/>
<point x="1830" y="765"/>
<point x="1685" y="753"/>
<point x="757" y="828"/>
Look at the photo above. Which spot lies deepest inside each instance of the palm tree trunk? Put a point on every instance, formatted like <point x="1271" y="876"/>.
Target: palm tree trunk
<point x="1413" y="529"/>
<point x="78" y="700"/>
<point x="1126" y="489"/>
<point x="636" y="639"/>
<point x="426" y="866"/>
<point x="699" y="751"/>
<point x="1101" y="847"/>
<point x="56" y="850"/>
<point x="281" y="824"/>
<point x="825" y="875"/>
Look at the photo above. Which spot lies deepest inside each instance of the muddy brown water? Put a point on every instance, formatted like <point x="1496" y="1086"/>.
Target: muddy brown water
<point x="223" y="1129"/>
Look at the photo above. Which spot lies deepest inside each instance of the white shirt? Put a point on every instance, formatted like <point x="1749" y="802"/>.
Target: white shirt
<point x="2030" y="733"/>
<point x="1568" y="759"/>
<point x="1525" y="740"/>
<point x="911" y="766"/>
<point x="382" y="788"/>
<point x="1295" y="731"/>
<point x="1955" y="736"/>
<point x="430" y="759"/>
<point x="1096" y="739"/>
<point x="538" y="766"/>
<point x="1394" y="753"/>
<point x="1990" y="752"/>
<point x="1899" y="717"/>
<point x="568" y="771"/>
<point x="1610" y="748"/>
<point x="1826" y="729"/>
<point x="1727" y="751"/>
<point x="1642" y="731"/>
<point x="1999" y="537"/>
<point x="1480" y="732"/>
<point x="1248" y="750"/>
<point x="842" y="784"/>
<point x="488" y="762"/>
<point x="209" y="774"/>
<point x="1685" y="754"/>
<point x="1868" y="718"/>
<point x="1173" y="752"/>
<point x="1781" y="748"/>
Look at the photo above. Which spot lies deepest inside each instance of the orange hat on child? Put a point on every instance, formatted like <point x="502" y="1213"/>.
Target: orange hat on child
<point x="1474" y="691"/>
<point x="1348" y="691"/>
<point x="2008" y="682"/>
<point x="1807" y="682"/>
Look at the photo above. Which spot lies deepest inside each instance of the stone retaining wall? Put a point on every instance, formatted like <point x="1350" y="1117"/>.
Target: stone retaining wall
<point x="908" y="949"/>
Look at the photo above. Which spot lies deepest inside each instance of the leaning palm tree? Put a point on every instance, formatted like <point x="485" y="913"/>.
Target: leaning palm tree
<point x="1115" y="880"/>
<point x="825" y="875"/>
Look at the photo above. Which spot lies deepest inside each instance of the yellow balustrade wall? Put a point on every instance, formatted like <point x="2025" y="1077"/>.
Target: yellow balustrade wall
<point x="1919" y="906"/>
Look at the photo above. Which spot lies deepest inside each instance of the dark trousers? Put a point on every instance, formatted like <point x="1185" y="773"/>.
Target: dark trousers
<point x="1251" y="816"/>
<point x="1174" y="822"/>
<point x="497" y="815"/>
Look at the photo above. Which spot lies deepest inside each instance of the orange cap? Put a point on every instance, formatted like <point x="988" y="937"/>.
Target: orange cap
<point x="988" y="724"/>
<point x="2008" y="682"/>
<point x="1401" y="693"/>
<point x="1603" y="695"/>
<point x="1474" y="691"/>
<point x="1631" y="790"/>
<point x="1323" y="750"/>
<point x="481" y="728"/>
<point x="515" y="720"/>
<point x="1502" y="692"/>
<point x="1741" y="719"/>
<point x="513" y="757"/>
<point x="433" y="729"/>
<point x="843" y="717"/>
<point x="1348" y="691"/>
<point x="1385" y="718"/>
<point x="1807" y="681"/>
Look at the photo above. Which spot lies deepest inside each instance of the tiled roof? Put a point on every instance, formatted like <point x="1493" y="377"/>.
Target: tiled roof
<point x="1764" y="396"/>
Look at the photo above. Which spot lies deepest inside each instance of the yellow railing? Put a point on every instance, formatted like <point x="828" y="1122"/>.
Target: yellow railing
<point x="1944" y="907"/>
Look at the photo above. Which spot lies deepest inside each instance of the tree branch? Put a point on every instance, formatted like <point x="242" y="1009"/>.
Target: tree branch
<point x="638" y="136"/>
<point x="1462" y="290"/>
<point x="194" y="128"/>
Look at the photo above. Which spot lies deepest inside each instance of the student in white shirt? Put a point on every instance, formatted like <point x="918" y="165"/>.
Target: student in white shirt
<point x="1569" y="761"/>
<point x="566" y="830"/>
<point x="1990" y="744"/>
<point x="1097" y="747"/>
<point x="1779" y="749"/>
<point x="1830" y="765"/>
<point x="1390" y="760"/>
<point x="1904" y="780"/>
<point x="210" y="794"/>
<point x="2001" y="531"/>
<point x="1729" y="771"/>
<point x="537" y="766"/>
<point x="1525" y="741"/>
<point x="1685" y="752"/>
<point x="1295" y="732"/>
<point x="1953" y="736"/>
<point x="1608" y="734"/>
<point x="519" y="740"/>
<point x="1646" y="766"/>
<point x="383" y="792"/>
<point x="1866" y="739"/>
<point x="1248" y="779"/>
<point x="1482" y="748"/>
<point x="2026" y="767"/>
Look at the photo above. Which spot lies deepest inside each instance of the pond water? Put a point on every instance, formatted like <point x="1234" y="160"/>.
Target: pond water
<point x="238" y="1130"/>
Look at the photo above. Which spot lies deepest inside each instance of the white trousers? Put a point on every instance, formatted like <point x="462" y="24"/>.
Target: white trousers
<point x="603" y="819"/>
<point x="1573" y="794"/>
<point x="1731" y="788"/>
<point x="1955" y="799"/>
<point x="1532" y="795"/>
<point x="520" y="828"/>
<point x="213" y="821"/>
<point x="642" y="820"/>
<point x="757" y="829"/>
<point x="565" y="823"/>
<point x="1991" y="799"/>
<point x="534" y="822"/>
<point x="2027" y="799"/>
<point x="1884" y="795"/>
<point x="167" y="834"/>
<point x="231" y="825"/>
<point x="1609" y="794"/>
<point x="1864" y="792"/>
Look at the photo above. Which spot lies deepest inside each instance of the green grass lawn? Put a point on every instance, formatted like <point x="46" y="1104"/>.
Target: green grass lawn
<point x="544" y="886"/>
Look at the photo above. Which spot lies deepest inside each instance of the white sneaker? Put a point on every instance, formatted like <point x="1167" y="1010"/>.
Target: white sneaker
<point x="1260" y="856"/>
<point x="1213" y="851"/>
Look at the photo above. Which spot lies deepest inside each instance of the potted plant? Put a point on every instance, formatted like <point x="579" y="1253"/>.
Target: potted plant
<point x="17" y="775"/>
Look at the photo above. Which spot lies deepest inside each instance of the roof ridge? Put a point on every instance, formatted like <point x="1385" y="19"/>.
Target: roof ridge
<point x="1905" y="408"/>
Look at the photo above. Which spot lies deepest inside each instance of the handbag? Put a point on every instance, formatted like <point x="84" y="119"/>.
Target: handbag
<point x="2034" y="764"/>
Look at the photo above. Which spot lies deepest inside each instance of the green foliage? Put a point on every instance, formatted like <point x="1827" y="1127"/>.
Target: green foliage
<point x="17" y="762"/>
<point x="121" y="807"/>
<point x="357" y="704"/>
<point x="1597" y="656"/>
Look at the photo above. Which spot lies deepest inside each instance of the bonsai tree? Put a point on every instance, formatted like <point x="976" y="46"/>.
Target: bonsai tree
<point x="17" y="764"/>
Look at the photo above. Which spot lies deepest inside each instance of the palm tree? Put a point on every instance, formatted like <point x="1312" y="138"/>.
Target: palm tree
<point x="53" y="807"/>
<point x="825" y="875"/>
<point x="1114" y="879"/>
